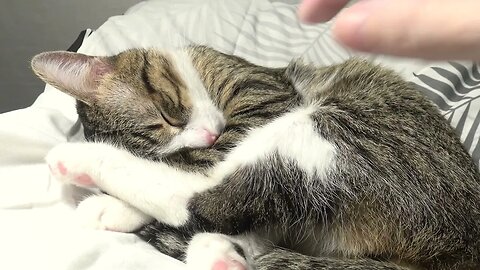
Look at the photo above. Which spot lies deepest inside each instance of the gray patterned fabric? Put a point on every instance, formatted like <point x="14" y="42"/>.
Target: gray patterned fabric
<point x="276" y="36"/>
<point x="455" y="88"/>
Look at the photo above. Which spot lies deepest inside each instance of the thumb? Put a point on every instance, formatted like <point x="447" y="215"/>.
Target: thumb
<point x="431" y="29"/>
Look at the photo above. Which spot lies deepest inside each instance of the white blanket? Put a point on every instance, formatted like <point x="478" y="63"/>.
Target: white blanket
<point x="37" y="221"/>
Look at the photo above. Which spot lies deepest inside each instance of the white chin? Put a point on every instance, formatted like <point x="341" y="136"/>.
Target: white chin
<point x="198" y="144"/>
<point x="186" y="142"/>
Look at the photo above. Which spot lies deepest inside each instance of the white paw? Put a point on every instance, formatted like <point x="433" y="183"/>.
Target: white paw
<point x="208" y="251"/>
<point x="80" y="164"/>
<point x="69" y="163"/>
<point x="104" y="212"/>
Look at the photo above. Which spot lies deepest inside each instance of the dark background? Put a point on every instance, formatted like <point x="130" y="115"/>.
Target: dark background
<point x="28" y="27"/>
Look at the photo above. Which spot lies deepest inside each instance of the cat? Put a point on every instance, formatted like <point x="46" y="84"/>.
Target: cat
<point x="230" y="165"/>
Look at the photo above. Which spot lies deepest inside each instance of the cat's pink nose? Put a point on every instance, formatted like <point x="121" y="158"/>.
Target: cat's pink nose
<point x="211" y="138"/>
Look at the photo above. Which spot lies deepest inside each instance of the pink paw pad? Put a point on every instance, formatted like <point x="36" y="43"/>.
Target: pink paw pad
<point x="84" y="180"/>
<point x="231" y="265"/>
<point x="61" y="168"/>
<point x="220" y="265"/>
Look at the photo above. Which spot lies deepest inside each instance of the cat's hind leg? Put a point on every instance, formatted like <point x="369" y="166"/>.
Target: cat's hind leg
<point x="209" y="251"/>
<point x="203" y="251"/>
<point x="168" y="240"/>
<point x="287" y="260"/>
<point x="214" y="251"/>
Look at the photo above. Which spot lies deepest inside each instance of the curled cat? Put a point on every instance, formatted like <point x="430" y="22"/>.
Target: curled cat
<point x="236" y="166"/>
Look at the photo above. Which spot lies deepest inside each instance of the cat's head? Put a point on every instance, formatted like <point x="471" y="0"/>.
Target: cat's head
<point x="145" y="100"/>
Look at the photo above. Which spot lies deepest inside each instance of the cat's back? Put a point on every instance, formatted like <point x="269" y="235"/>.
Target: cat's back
<point x="397" y="154"/>
<point x="376" y="105"/>
<point x="362" y="103"/>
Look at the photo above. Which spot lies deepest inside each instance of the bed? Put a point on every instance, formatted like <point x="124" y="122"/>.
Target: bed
<point x="38" y="229"/>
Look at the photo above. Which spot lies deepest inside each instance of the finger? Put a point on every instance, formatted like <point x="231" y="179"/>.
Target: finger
<point x="313" y="11"/>
<point x="440" y="29"/>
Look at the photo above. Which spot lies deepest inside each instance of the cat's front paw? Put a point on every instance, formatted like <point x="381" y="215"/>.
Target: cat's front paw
<point x="71" y="163"/>
<point x="103" y="212"/>
<point x="86" y="164"/>
<point x="209" y="251"/>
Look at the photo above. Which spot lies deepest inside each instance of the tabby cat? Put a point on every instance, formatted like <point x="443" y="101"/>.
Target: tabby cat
<point x="236" y="166"/>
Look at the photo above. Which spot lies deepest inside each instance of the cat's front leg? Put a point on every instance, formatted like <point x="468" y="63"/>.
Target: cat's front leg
<point x="82" y="165"/>
<point x="154" y="188"/>
<point x="104" y="212"/>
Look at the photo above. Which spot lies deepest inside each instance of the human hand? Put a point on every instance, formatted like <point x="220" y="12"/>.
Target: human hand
<point x="431" y="29"/>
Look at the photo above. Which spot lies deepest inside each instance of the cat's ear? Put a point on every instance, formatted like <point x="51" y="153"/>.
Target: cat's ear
<point x="76" y="74"/>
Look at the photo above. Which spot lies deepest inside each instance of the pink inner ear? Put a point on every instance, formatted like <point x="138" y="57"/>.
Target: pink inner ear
<point x="73" y="73"/>
<point x="67" y="59"/>
<point x="99" y="68"/>
<point x="84" y="85"/>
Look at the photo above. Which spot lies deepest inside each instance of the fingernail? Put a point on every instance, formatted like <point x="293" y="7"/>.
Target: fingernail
<point x="349" y="25"/>
<point x="306" y="11"/>
<point x="315" y="11"/>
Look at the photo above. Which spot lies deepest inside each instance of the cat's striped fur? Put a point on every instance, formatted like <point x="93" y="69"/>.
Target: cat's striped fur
<point x="385" y="183"/>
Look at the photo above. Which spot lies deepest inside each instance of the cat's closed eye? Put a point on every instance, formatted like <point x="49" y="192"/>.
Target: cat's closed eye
<point x="173" y="121"/>
<point x="154" y="126"/>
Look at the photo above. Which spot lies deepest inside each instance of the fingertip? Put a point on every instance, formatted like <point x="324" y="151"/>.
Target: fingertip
<point x="351" y="27"/>
<point x="348" y="29"/>
<point x="315" y="11"/>
<point x="307" y="11"/>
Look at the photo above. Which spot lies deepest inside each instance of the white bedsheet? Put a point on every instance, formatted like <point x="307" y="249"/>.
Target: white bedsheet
<point x="37" y="221"/>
